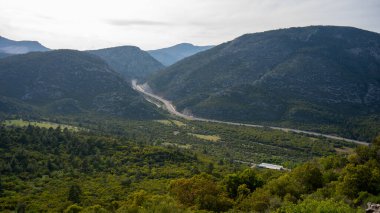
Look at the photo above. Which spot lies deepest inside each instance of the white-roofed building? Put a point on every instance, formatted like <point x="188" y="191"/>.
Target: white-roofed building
<point x="270" y="166"/>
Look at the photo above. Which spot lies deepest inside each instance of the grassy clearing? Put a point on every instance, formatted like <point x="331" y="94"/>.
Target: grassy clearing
<point x="171" y="122"/>
<point x="42" y="124"/>
<point x="178" y="123"/>
<point x="165" y="122"/>
<point x="213" y="138"/>
<point x="344" y="150"/>
<point x="186" y="146"/>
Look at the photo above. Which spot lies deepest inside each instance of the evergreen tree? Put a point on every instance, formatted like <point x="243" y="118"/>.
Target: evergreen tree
<point x="74" y="193"/>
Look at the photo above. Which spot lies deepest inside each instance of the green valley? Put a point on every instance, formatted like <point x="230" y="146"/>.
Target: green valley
<point x="284" y="121"/>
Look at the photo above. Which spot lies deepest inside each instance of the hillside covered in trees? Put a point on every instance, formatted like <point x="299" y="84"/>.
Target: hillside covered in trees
<point x="67" y="82"/>
<point x="321" y="78"/>
<point x="62" y="170"/>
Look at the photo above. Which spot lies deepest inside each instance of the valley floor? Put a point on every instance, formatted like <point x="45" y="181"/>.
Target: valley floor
<point x="172" y="110"/>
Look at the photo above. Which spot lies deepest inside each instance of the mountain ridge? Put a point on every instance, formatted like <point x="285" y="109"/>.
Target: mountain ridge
<point x="317" y="75"/>
<point x="68" y="82"/>
<point x="130" y="61"/>
<point x="10" y="47"/>
<point x="175" y="53"/>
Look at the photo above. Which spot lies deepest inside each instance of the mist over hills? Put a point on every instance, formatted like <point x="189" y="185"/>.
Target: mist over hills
<point x="317" y="75"/>
<point x="10" y="47"/>
<point x="67" y="82"/>
<point x="170" y="55"/>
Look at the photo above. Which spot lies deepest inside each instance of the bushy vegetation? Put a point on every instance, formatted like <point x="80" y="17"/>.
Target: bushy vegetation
<point x="54" y="168"/>
<point x="65" y="171"/>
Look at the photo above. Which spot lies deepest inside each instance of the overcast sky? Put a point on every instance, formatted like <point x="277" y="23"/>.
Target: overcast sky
<point x="151" y="24"/>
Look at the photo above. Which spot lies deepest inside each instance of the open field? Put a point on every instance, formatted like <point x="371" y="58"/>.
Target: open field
<point x="213" y="138"/>
<point x="42" y="124"/>
<point x="171" y="122"/>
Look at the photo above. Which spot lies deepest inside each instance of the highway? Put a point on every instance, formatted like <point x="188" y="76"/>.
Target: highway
<point x="171" y="109"/>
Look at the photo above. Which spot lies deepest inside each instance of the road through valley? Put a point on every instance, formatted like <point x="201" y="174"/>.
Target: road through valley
<point x="171" y="109"/>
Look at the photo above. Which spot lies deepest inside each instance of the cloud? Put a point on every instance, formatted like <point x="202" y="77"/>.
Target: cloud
<point x="153" y="24"/>
<point x="130" y="22"/>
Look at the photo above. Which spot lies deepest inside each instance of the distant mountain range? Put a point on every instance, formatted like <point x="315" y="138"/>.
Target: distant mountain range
<point x="130" y="61"/>
<point x="10" y="47"/>
<point x="67" y="82"/>
<point x="170" y="55"/>
<point x="319" y="77"/>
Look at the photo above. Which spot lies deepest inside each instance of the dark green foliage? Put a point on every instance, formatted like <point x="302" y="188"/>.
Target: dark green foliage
<point x="129" y="61"/>
<point x="237" y="183"/>
<point x="74" y="193"/>
<point x="320" y="78"/>
<point x="67" y="82"/>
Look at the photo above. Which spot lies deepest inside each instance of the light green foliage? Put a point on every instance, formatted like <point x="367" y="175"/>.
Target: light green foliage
<point x="42" y="124"/>
<point x="200" y="191"/>
<point x="315" y="206"/>
<point x="330" y="184"/>
<point x="73" y="209"/>
<point x="172" y="122"/>
<point x="59" y="170"/>
<point x="213" y="138"/>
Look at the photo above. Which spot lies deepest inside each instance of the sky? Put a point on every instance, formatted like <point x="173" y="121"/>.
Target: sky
<point x="153" y="24"/>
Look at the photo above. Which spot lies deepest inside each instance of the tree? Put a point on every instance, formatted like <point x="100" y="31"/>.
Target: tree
<point x="1" y="188"/>
<point x="354" y="180"/>
<point x="210" y="168"/>
<point x="200" y="191"/>
<point x="247" y="177"/>
<point x="309" y="176"/>
<point x="74" y="193"/>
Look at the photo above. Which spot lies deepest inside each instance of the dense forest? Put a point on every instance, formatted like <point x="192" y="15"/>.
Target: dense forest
<point x="321" y="78"/>
<point x="60" y="170"/>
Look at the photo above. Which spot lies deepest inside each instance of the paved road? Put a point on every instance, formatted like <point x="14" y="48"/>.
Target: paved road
<point x="171" y="109"/>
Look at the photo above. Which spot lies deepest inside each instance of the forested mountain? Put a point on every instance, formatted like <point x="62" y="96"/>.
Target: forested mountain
<point x="3" y="55"/>
<point x="323" y="78"/>
<point x="170" y="55"/>
<point x="9" y="47"/>
<point x="130" y="61"/>
<point x="67" y="82"/>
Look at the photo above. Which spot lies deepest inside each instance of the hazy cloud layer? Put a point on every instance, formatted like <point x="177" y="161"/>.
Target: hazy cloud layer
<point x="126" y="22"/>
<point x="150" y="24"/>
